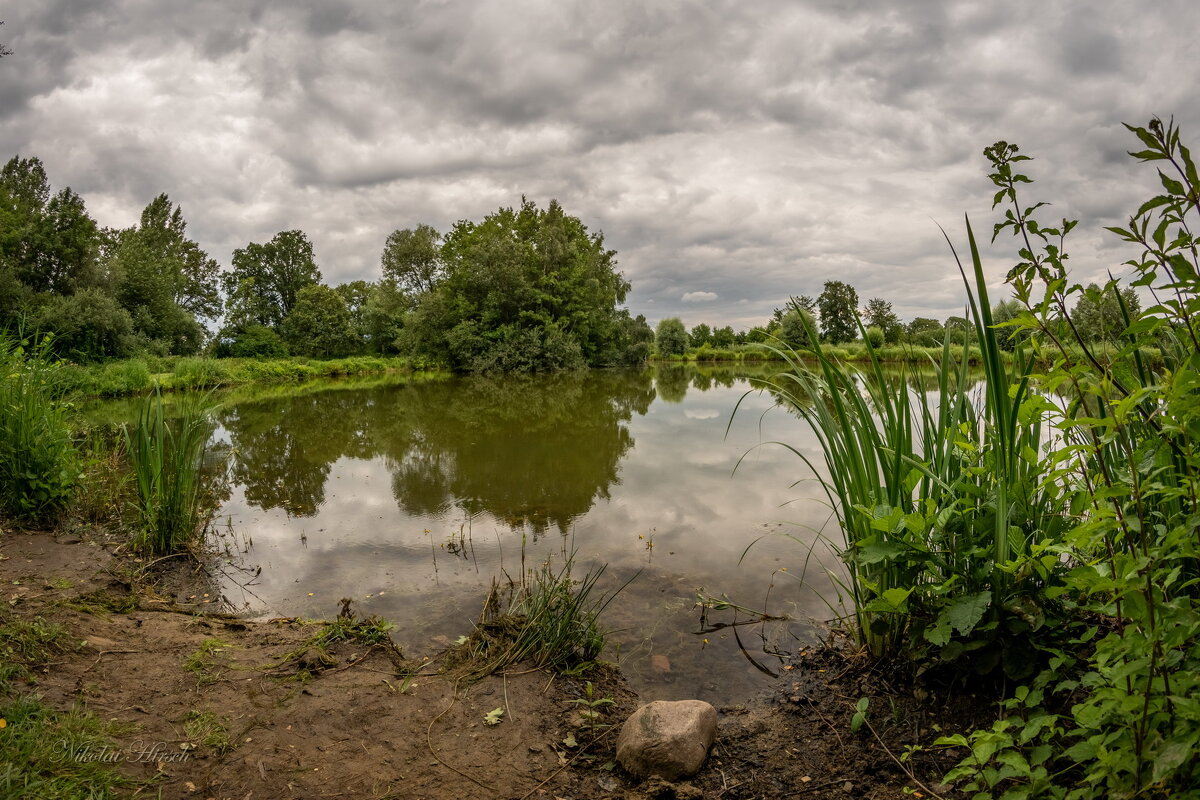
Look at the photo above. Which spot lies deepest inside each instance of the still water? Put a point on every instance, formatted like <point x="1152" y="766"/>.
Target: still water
<point x="410" y="498"/>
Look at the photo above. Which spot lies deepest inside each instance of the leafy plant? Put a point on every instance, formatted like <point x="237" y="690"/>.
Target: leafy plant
<point x="1116" y="713"/>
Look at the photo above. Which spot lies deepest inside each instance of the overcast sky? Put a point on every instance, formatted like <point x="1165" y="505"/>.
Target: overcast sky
<point x="733" y="153"/>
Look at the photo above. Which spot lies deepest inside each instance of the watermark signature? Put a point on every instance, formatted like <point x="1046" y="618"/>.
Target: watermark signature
<point x="150" y="752"/>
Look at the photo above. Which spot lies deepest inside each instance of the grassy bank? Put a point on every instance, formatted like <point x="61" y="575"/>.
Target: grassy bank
<point x="136" y="376"/>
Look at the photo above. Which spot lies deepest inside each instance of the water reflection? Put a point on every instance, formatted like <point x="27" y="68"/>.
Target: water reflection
<point x="531" y="451"/>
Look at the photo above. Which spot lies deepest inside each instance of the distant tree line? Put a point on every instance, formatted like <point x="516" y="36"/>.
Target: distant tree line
<point x="524" y="289"/>
<point x="835" y="317"/>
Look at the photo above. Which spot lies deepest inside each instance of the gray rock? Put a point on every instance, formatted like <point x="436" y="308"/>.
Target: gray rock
<point x="667" y="739"/>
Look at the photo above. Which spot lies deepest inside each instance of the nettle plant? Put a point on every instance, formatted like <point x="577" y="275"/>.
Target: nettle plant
<point x="1116" y="713"/>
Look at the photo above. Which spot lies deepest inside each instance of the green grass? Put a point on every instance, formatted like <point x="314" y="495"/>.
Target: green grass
<point x="205" y="663"/>
<point x="27" y="645"/>
<point x="208" y="729"/>
<point x="167" y="456"/>
<point x="58" y="755"/>
<point x="141" y="375"/>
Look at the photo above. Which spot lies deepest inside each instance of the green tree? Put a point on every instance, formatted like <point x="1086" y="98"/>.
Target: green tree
<point x="838" y="306"/>
<point x="319" y="324"/>
<point x="523" y="289"/>
<point x="879" y="313"/>
<point x="1097" y="313"/>
<point x="925" y="332"/>
<point x="276" y="272"/>
<point x="163" y="279"/>
<point x="724" y="337"/>
<point x="89" y="325"/>
<point x="412" y="259"/>
<point x="670" y="338"/>
<point x="700" y="336"/>
<point x="357" y="297"/>
<point x="795" y="327"/>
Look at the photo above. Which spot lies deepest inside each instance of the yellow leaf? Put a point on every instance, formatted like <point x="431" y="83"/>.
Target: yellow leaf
<point x="3" y="723"/>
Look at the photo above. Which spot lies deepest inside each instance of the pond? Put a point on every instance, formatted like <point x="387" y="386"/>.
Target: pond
<point x="410" y="497"/>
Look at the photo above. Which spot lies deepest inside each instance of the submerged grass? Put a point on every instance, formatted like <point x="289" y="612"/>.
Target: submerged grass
<point x="548" y="620"/>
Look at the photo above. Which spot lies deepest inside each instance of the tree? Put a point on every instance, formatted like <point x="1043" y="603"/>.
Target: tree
<point x="671" y="337"/>
<point x="724" y="337"/>
<point x="837" y="305"/>
<point x="1008" y="337"/>
<point x="319" y="324"/>
<point x="277" y="271"/>
<point x="879" y="314"/>
<point x="700" y="335"/>
<point x="1097" y="314"/>
<point x="795" y="328"/>
<point x="523" y="289"/>
<point x="412" y="259"/>
<point x="925" y="332"/>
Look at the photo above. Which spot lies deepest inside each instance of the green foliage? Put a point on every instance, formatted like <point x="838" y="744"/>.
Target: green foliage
<point x="39" y="468"/>
<point x="700" y="336"/>
<point x="670" y="338"/>
<point x="938" y="499"/>
<point x="1099" y="314"/>
<point x="89" y="325"/>
<point x="797" y="328"/>
<point x="319" y="325"/>
<point x="27" y="645"/>
<point x="1115" y="715"/>
<point x="838" y="307"/>
<point x="874" y="335"/>
<point x="250" y="341"/>
<point x="925" y="332"/>
<point x="168" y="455"/>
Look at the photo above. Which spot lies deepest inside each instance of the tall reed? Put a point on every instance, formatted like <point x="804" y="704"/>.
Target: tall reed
<point x="38" y="464"/>
<point x="938" y="495"/>
<point x="167" y="456"/>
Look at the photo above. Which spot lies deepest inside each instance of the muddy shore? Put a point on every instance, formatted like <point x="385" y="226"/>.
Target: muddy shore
<point x="212" y="706"/>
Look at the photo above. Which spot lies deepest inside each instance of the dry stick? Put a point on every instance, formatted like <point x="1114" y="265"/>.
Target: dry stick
<point x="814" y="787"/>
<point x="432" y="752"/>
<point x="832" y="727"/>
<point x="554" y="774"/>
<point x="504" y="684"/>
<point x="899" y="763"/>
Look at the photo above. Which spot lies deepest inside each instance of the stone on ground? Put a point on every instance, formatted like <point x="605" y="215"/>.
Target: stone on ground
<point x="667" y="739"/>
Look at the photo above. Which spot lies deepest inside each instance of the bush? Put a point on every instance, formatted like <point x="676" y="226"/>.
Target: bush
<point x="874" y="337"/>
<point x="199" y="373"/>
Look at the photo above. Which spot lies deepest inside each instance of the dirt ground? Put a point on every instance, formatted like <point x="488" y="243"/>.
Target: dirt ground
<point x="357" y="727"/>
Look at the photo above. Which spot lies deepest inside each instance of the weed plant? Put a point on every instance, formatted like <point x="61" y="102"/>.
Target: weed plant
<point x="38" y="464"/>
<point x="167" y="456"/>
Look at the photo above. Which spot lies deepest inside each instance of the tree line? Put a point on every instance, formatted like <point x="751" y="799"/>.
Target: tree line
<point x="524" y="289"/>
<point x="834" y="316"/>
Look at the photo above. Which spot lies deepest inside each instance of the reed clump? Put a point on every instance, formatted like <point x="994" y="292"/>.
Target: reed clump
<point x="167" y="454"/>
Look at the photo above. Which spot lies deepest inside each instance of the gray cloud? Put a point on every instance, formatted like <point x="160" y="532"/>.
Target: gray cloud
<point x="752" y="150"/>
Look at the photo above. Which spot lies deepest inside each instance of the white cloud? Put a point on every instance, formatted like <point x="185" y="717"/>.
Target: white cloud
<point x="699" y="297"/>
